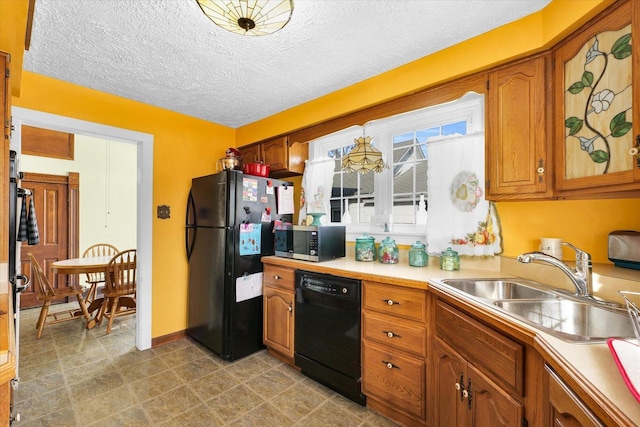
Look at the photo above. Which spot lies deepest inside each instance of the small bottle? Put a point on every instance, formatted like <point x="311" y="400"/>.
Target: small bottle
<point x="449" y="260"/>
<point x="388" y="251"/>
<point x="346" y="216"/>
<point x="421" y="212"/>
<point x="417" y="255"/>
<point x="365" y="248"/>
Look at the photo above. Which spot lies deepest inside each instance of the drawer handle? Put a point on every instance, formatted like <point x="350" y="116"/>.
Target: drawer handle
<point x="275" y="276"/>
<point x="391" y="365"/>
<point x="390" y="301"/>
<point x="290" y="308"/>
<point x="391" y="334"/>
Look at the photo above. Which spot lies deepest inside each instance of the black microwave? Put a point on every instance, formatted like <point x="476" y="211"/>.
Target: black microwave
<point x="318" y="243"/>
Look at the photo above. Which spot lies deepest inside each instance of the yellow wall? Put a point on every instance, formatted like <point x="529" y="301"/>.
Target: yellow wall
<point x="13" y="17"/>
<point x="185" y="147"/>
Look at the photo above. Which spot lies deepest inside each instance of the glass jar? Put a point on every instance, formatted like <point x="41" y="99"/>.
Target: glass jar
<point x="449" y="260"/>
<point x="417" y="255"/>
<point x="365" y="248"/>
<point x="388" y="251"/>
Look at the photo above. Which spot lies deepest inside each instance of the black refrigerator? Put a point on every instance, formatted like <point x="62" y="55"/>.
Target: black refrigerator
<point x="229" y="227"/>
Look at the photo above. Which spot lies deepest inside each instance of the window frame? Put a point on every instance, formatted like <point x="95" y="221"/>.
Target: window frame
<point x="468" y="108"/>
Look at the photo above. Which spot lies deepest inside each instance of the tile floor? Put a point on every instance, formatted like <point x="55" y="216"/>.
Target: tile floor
<point x="75" y="377"/>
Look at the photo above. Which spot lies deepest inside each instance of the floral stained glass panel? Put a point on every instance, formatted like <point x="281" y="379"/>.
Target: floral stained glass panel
<point x="598" y="106"/>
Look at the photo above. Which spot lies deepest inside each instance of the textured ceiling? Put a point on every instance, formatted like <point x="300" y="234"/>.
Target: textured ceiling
<point x="167" y="53"/>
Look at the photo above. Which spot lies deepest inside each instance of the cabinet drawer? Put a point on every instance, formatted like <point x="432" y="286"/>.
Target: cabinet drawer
<point x="395" y="333"/>
<point x="404" y="302"/>
<point x="499" y="357"/>
<point x="401" y="384"/>
<point x="281" y="277"/>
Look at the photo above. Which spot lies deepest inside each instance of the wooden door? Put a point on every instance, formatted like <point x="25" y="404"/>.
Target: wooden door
<point x="517" y="160"/>
<point x="56" y="205"/>
<point x="596" y="105"/>
<point x="5" y="116"/>
<point x="250" y="153"/>
<point x="278" y="324"/>
<point x="490" y="405"/>
<point x="451" y="373"/>
<point x="565" y="408"/>
<point x="274" y="153"/>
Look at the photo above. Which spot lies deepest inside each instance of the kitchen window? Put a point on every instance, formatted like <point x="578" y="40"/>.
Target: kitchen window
<point x="389" y="201"/>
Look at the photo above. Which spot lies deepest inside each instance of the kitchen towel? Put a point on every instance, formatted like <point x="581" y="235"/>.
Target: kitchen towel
<point x="459" y="216"/>
<point x="22" y="229"/>
<point x="33" y="235"/>
<point x="28" y="229"/>
<point x="627" y="358"/>
<point x="317" y="183"/>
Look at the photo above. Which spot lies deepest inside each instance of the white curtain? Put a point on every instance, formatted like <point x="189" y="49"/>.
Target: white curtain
<point x="459" y="215"/>
<point x="317" y="182"/>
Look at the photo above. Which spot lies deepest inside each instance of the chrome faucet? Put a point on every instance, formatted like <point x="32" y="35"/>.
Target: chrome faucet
<point x="580" y="276"/>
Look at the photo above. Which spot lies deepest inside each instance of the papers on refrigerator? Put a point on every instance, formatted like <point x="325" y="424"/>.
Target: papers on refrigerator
<point x="285" y="200"/>
<point x="249" y="286"/>
<point x="250" y="239"/>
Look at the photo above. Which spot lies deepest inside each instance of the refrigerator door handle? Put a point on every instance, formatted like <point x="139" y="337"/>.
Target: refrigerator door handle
<point x="190" y="228"/>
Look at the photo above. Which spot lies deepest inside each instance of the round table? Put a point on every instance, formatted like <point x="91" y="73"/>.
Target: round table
<point x="82" y="266"/>
<point x="96" y="264"/>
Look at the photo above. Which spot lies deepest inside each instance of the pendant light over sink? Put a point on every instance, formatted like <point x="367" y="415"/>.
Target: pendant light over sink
<point x="248" y="17"/>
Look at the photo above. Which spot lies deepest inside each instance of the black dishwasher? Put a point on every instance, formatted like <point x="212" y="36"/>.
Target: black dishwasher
<point x="327" y="332"/>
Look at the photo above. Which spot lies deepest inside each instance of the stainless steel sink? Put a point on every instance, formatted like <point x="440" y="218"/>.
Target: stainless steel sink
<point x="562" y="315"/>
<point x="500" y="289"/>
<point x="570" y="319"/>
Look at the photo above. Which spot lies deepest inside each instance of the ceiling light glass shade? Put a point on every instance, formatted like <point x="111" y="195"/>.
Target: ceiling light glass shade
<point x="248" y="17"/>
<point x="363" y="158"/>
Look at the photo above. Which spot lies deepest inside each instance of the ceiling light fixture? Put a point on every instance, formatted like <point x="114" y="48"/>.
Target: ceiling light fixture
<point x="363" y="158"/>
<point x="248" y="17"/>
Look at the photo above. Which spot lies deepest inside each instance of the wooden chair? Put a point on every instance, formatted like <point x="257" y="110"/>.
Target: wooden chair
<point x="95" y="279"/>
<point x="46" y="293"/>
<point x="120" y="287"/>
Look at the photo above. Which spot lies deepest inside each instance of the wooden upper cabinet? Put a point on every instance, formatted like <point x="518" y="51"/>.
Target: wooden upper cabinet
<point x="251" y="153"/>
<point x="284" y="158"/>
<point x="597" y="104"/>
<point x="274" y="153"/>
<point x="518" y="144"/>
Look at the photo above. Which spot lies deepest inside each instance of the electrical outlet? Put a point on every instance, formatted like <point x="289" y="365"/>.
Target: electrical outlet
<point x="382" y="222"/>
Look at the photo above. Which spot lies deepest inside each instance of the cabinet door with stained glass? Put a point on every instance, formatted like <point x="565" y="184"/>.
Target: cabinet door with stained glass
<point x="595" y="96"/>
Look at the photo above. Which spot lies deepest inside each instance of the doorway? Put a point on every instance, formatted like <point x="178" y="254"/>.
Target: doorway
<point x="23" y="116"/>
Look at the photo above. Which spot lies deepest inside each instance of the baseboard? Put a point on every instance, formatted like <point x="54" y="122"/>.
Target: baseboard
<point x="165" y="339"/>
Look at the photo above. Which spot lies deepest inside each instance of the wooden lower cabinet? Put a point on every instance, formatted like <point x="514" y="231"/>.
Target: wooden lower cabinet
<point x="394" y="368"/>
<point x="478" y="373"/>
<point x="279" y="312"/>
<point x="466" y="397"/>
<point x="565" y="408"/>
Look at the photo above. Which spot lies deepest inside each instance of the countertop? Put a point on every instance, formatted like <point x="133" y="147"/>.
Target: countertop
<point x="589" y="365"/>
